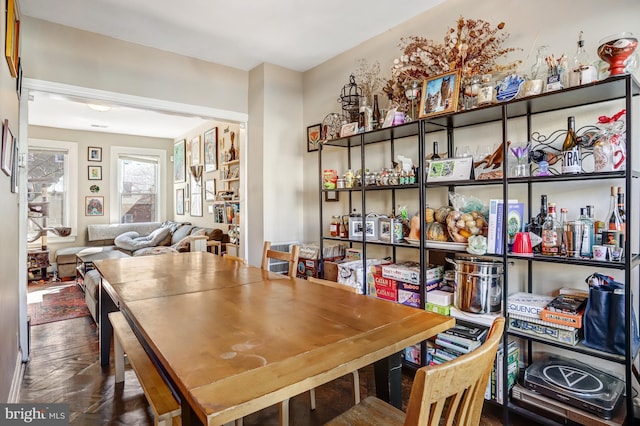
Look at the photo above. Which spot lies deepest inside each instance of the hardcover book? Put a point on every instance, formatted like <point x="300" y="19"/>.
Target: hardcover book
<point x="527" y="304"/>
<point x="567" y="304"/>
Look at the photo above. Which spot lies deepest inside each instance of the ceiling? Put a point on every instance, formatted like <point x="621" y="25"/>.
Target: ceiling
<point x="295" y="34"/>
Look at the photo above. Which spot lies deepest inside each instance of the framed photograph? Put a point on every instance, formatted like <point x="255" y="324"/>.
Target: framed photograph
<point x="95" y="172"/>
<point x="195" y="150"/>
<point x="314" y="135"/>
<point x="180" y="201"/>
<point x="14" y="169"/>
<point x="388" y="119"/>
<point x="7" y="148"/>
<point x="440" y="94"/>
<point x="196" y="204"/>
<point x="332" y="196"/>
<point x="179" y="161"/>
<point x="12" y="37"/>
<point x="210" y="190"/>
<point x="349" y="129"/>
<point x="94" y="206"/>
<point x="95" y="154"/>
<point x="211" y="150"/>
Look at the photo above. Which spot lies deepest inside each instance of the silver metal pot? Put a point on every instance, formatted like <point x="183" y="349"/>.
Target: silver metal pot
<point x="478" y="284"/>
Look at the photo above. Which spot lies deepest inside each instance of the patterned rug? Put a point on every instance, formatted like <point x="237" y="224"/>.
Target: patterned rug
<point x="55" y="301"/>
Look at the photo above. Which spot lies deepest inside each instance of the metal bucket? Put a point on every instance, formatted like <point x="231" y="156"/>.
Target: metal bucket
<point x="478" y="285"/>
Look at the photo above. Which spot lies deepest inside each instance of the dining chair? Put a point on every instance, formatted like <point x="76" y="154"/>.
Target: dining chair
<point x="290" y="257"/>
<point x="453" y="390"/>
<point x="236" y="259"/>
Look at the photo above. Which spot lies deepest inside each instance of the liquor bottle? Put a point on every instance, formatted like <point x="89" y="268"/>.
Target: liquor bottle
<point x="376" y="113"/>
<point x="435" y="151"/>
<point x="368" y="115"/>
<point x="588" y="238"/>
<point x="621" y="209"/>
<point x="582" y="70"/>
<point x="598" y="225"/>
<point x="536" y="222"/>
<point x="614" y="221"/>
<point x="571" y="156"/>
<point x="563" y="234"/>
<point x="551" y="233"/>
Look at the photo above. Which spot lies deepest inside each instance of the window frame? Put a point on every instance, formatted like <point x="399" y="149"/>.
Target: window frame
<point x="115" y="180"/>
<point x="71" y="184"/>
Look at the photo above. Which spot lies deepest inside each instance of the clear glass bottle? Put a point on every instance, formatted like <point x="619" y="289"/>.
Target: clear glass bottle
<point x="334" y="227"/>
<point x="551" y="233"/>
<point x="376" y="113"/>
<point x="563" y="235"/>
<point x="486" y="90"/>
<point x="582" y="69"/>
<point x="368" y="114"/>
<point x="614" y="221"/>
<point x="588" y="236"/>
<point x="571" y="155"/>
<point x="598" y="225"/>
<point x="539" y="72"/>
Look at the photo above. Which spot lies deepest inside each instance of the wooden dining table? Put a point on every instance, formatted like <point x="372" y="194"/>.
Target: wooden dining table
<point x="234" y="339"/>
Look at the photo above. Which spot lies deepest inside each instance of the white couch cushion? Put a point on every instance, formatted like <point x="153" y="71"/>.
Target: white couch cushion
<point x="133" y="241"/>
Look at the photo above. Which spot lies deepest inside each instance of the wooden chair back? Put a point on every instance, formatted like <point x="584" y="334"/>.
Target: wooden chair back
<point x="455" y="389"/>
<point x="290" y="257"/>
<point x="236" y="259"/>
<point x="332" y="284"/>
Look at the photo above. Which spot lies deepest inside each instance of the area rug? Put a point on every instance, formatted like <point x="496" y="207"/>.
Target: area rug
<point x="56" y="301"/>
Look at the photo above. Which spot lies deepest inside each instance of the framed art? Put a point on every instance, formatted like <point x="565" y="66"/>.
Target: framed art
<point x="210" y="190"/>
<point x="95" y="172"/>
<point x="12" y="37"/>
<point x="179" y="161"/>
<point x="95" y="154"/>
<point x="94" y="206"/>
<point x="195" y="150"/>
<point x="349" y="129"/>
<point x="440" y="94"/>
<point x="196" y="204"/>
<point x="14" y="169"/>
<point x="332" y="196"/>
<point x="314" y="135"/>
<point x="211" y="150"/>
<point x="7" y="148"/>
<point x="180" y="201"/>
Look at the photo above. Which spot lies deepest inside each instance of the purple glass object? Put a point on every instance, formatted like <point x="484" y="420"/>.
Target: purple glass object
<point x="543" y="168"/>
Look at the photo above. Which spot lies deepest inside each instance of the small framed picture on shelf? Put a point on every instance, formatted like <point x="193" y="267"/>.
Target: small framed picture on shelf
<point x="440" y="94"/>
<point x="95" y="172"/>
<point x="314" y="135"/>
<point x="95" y="154"/>
<point x="332" y="196"/>
<point x="94" y="206"/>
<point x="349" y="129"/>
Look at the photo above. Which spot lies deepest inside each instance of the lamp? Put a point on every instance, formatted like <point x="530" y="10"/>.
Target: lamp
<point x="411" y="91"/>
<point x="196" y="172"/>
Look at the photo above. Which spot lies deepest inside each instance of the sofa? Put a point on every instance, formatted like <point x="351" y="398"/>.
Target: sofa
<point x="140" y="239"/>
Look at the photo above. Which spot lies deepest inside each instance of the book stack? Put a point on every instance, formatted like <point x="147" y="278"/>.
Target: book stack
<point x="495" y="385"/>
<point x="526" y="316"/>
<point x="495" y="225"/>
<point x="458" y="340"/>
<point x="566" y="310"/>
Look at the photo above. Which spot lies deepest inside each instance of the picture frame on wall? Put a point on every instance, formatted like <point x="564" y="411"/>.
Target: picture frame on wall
<point x="211" y="150"/>
<point x="94" y="206"/>
<point x="210" y="190"/>
<point x="314" y="136"/>
<point x="440" y="94"/>
<point x="179" y="161"/>
<point x="14" y="169"/>
<point x="180" y="201"/>
<point x="195" y="150"/>
<point x="12" y="37"/>
<point x="95" y="172"/>
<point x="7" y="148"/>
<point x="196" y="204"/>
<point x="94" y="154"/>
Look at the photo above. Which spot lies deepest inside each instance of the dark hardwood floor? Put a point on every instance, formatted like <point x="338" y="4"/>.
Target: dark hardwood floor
<point x="64" y="368"/>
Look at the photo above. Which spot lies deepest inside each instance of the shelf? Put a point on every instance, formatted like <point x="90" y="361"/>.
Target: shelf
<point x="570" y="260"/>
<point x="374" y="188"/>
<point x="375" y="136"/>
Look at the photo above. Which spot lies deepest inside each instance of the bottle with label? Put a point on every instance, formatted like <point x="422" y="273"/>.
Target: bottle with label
<point x="571" y="155"/>
<point x="614" y="221"/>
<point x="485" y="92"/>
<point x="551" y="233"/>
<point x="563" y="235"/>
<point x="435" y="155"/>
<point x="536" y="222"/>
<point x="621" y="209"/>
<point x="598" y="225"/>
<point x="334" y="227"/>
<point x="588" y="239"/>
<point x="582" y="70"/>
<point x="376" y="113"/>
<point x="368" y="115"/>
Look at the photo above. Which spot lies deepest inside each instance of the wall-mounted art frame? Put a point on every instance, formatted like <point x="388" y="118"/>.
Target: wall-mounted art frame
<point x="95" y="172"/>
<point x="14" y="168"/>
<point x="314" y="136"/>
<point x="180" y="201"/>
<point x="195" y="151"/>
<point x="210" y="190"/>
<point x="179" y="161"/>
<point x="12" y="37"/>
<point x="211" y="150"/>
<point x="440" y="94"/>
<point x="7" y="148"/>
<point x="332" y="196"/>
<point x="94" y="153"/>
<point x="94" y="205"/>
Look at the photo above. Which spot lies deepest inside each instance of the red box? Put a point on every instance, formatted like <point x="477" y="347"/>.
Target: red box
<point x="386" y="288"/>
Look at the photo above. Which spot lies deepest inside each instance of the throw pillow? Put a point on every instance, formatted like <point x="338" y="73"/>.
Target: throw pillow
<point x="185" y="243"/>
<point x="125" y="240"/>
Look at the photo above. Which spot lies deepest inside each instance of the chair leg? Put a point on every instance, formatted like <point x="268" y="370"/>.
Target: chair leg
<point x="118" y="353"/>
<point x="284" y="413"/>
<point x="356" y="386"/>
<point x="312" y="397"/>
<point x="239" y="422"/>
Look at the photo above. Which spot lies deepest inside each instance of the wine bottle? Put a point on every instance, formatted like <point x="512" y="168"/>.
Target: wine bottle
<point x="621" y="209"/>
<point x="571" y="156"/>
<point x="435" y="151"/>
<point x="614" y="221"/>
<point x="536" y="222"/>
<point x="551" y="233"/>
<point x="376" y="113"/>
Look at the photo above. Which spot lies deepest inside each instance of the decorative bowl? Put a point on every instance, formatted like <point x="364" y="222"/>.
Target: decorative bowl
<point x="615" y="49"/>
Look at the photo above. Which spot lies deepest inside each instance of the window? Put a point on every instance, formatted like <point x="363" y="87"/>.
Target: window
<point x="51" y="187"/>
<point x="138" y="185"/>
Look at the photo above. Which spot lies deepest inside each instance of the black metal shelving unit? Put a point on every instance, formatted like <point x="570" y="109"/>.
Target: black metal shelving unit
<point x="621" y="89"/>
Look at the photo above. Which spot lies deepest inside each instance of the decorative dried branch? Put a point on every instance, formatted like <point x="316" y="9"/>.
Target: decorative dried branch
<point x="368" y="78"/>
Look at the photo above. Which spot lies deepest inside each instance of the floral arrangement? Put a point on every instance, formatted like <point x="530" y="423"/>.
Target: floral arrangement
<point x="368" y="78"/>
<point x="472" y="47"/>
